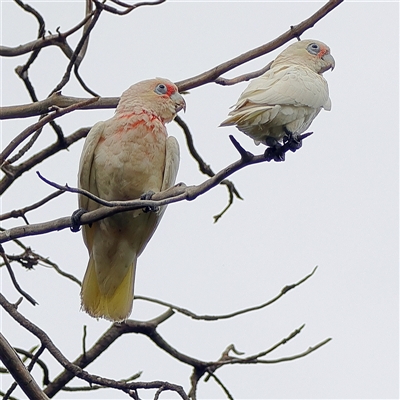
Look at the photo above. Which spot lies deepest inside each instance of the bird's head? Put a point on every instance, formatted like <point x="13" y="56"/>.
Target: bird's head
<point x="310" y="53"/>
<point x="158" y="96"/>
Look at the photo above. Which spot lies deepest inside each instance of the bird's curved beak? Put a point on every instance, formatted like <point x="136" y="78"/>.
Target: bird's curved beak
<point x="330" y="61"/>
<point x="179" y="102"/>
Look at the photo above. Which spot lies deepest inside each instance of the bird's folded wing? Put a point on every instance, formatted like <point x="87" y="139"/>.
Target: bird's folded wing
<point x="86" y="176"/>
<point x="294" y="85"/>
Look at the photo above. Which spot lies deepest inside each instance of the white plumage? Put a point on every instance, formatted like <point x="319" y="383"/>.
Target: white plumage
<point x="123" y="158"/>
<point x="285" y="100"/>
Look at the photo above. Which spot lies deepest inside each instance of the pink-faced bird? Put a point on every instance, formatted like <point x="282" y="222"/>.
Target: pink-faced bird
<point x="281" y="104"/>
<point x="124" y="158"/>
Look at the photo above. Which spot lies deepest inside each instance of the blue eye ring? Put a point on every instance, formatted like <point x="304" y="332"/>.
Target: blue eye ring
<point x="313" y="48"/>
<point x="161" y="89"/>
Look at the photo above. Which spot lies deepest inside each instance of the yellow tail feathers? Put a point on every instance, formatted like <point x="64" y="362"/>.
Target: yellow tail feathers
<point x="114" y="307"/>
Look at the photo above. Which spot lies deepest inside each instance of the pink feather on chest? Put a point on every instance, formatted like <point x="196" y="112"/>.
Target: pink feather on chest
<point x="130" y="157"/>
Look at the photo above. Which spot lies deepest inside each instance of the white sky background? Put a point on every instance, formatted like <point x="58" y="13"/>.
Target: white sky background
<point x="333" y="204"/>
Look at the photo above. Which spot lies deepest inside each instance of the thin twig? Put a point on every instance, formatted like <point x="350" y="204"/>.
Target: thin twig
<point x="14" y="280"/>
<point x="97" y="387"/>
<point x="30" y="258"/>
<point x="22" y="71"/>
<point x="84" y="341"/>
<point x="58" y="39"/>
<point x="88" y="12"/>
<point x="128" y="8"/>
<point x="22" y="211"/>
<point x="203" y="166"/>
<point x="13" y="172"/>
<point x="10" y="398"/>
<point x="296" y="356"/>
<point x="224" y="388"/>
<point x="82" y="53"/>
<point x="192" y="315"/>
<point x="35" y="359"/>
<point x="59" y="270"/>
<point x="25" y="148"/>
<point x="88" y="28"/>
<point x="243" y="78"/>
<point x="32" y="128"/>
<point x="206" y="169"/>
<point x="275" y="346"/>
<point x="64" y="188"/>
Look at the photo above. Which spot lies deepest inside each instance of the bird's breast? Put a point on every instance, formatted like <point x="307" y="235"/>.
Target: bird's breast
<point x="130" y="157"/>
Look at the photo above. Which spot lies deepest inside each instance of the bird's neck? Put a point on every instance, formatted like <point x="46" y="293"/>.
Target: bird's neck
<point x="137" y="113"/>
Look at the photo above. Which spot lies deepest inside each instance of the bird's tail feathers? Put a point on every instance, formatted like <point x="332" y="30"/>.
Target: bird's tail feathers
<point x="116" y="306"/>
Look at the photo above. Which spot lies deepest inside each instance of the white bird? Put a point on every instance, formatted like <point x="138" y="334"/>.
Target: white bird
<point x="281" y="104"/>
<point x="123" y="158"/>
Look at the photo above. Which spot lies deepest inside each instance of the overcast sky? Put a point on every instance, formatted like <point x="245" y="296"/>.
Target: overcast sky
<point x="333" y="204"/>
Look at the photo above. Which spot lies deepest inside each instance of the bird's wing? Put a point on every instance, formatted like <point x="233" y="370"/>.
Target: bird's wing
<point x="170" y="173"/>
<point x="172" y="157"/>
<point x="86" y="179"/>
<point x="171" y="163"/>
<point x="289" y="85"/>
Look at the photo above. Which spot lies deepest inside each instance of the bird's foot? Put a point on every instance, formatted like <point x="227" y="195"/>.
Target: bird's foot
<point x="292" y="141"/>
<point x="275" y="153"/>
<point x="76" y="219"/>
<point x="147" y="196"/>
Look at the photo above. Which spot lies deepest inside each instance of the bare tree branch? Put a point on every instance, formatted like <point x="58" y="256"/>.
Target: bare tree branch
<point x="22" y="71"/>
<point x="13" y="172"/>
<point x="290" y="358"/>
<point x="211" y="75"/>
<point x="14" y="280"/>
<point x="22" y="211"/>
<point x="256" y="358"/>
<point x="128" y="8"/>
<point x="77" y="371"/>
<point x="224" y="388"/>
<point x="294" y="32"/>
<point x="56" y="99"/>
<point x="59" y="270"/>
<point x="28" y="131"/>
<point x="172" y="195"/>
<point x="205" y="168"/>
<point x="97" y="387"/>
<point x="19" y="372"/>
<point x="242" y="78"/>
<point x="35" y="359"/>
<point x="79" y="48"/>
<point x="88" y="12"/>
<point x="28" y="259"/>
<point x="192" y="315"/>
<point x="58" y="39"/>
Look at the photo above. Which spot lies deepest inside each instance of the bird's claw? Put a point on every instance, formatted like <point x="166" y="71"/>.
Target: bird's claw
<point x="147" y="196"/>
<point x="275" y="153"/>
<point x="76" y="219"/>
<point x="292" y="142"/>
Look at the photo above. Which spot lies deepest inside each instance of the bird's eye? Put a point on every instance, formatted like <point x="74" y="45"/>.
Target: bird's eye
<point x="313" y="48"/>
<point x="161" y="89"/>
